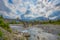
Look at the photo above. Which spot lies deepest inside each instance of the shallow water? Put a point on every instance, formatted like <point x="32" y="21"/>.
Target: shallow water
<point x="35" y="33"/>
<point x="39" y="34"/>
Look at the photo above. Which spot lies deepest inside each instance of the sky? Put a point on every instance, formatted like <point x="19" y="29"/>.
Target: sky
<point x="30" y="9"/>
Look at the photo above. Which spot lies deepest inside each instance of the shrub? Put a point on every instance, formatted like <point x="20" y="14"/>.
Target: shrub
<point x="1" y="33"/>
<point x="4" y="25"/>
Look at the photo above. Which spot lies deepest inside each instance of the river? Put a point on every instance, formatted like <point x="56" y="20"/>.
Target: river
<point x="38" y="32"/>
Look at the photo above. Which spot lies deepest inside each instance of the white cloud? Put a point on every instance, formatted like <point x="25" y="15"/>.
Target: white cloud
<point x="42" y="8"/>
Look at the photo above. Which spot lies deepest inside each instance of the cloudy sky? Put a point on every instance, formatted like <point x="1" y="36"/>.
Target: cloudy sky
<point x="30" y="9"/>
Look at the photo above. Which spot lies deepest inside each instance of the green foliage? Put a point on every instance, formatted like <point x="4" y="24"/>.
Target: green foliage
<point x="1" y="17"/>
<point x="1" y="34"/>
<point x="4" y="25"/>
<point x="51" y="22"/>
<point x="15" y="22"/>
<point x="59" y="34"/>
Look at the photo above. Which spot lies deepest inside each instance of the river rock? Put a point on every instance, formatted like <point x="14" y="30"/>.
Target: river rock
<point x="38" y="34"/>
